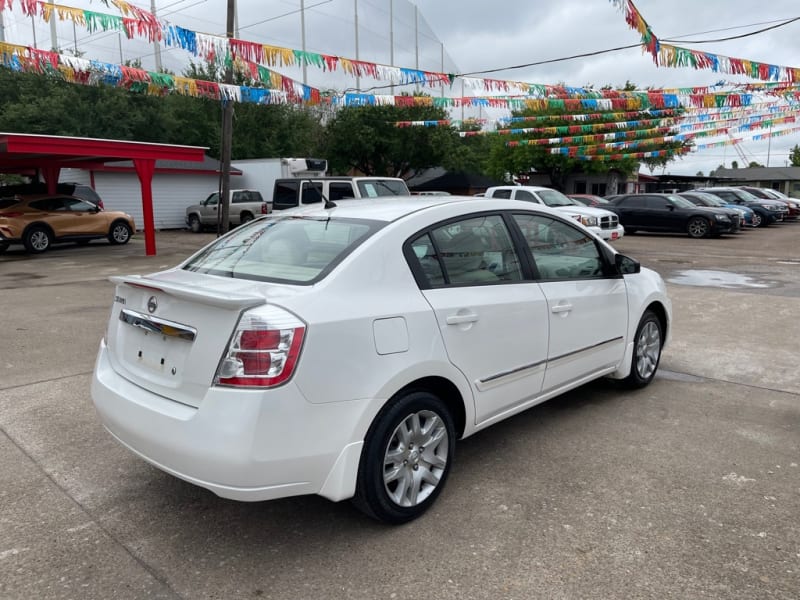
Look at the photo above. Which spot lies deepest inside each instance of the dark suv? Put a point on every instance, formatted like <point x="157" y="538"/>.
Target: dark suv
<point x="77" y="190"/>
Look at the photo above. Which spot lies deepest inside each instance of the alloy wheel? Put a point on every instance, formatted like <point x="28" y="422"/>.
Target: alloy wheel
<point x="415" y="458"/>
<point x="648" y="350"/>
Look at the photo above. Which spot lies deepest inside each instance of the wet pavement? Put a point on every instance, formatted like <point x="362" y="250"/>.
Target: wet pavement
<point x="689" y="488"/>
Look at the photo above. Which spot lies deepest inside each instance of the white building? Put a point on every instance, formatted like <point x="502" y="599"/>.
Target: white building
<point x="176" y="185"/>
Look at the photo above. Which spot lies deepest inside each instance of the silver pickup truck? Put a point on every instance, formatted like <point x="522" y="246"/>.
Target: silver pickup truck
<point x="245" y="206"/>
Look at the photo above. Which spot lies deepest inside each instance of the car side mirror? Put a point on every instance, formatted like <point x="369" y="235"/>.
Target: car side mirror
<point x="670" y="207"/>
<point x="627" y="265"/>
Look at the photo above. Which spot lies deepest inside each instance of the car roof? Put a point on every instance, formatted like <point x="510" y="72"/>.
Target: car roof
<point x="392" y="208"/>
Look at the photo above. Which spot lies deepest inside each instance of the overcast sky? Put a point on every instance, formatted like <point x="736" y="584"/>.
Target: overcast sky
<point x="469" y="36"/>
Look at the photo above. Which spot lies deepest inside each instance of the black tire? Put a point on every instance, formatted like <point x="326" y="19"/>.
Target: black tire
<point x="385" y="453"/>
<point x="37" y="239"/>
<point x="647" y="346"/>
<point x="120" y="233"/>
<point x="194" y="224"/>
<point x="764" y="222"/>
<point x="698" y="227"/>
<point x="245" y="217"/>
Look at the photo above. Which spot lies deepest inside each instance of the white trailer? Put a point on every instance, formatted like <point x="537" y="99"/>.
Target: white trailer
<point x="260" y="173"/>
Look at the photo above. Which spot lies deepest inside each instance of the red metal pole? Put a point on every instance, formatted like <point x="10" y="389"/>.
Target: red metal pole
<point x="144" y="169"/>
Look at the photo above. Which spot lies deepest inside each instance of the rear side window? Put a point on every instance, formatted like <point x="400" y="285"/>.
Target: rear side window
<point x="472" y="251"/>
<point x="501" y="194"/>
<point x="247" y="196"/>
<point x="285" y="194"/>
<point x="312" y="192"/>
<point x="290" y="250"/>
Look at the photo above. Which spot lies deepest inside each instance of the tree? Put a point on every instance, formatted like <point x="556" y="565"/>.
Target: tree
<point x="794" y="156"/>
<point x="520" y="160"/>
<point x="734" y="164"/>
<point x="700" y="174"/>
<point x="367" y="139"/>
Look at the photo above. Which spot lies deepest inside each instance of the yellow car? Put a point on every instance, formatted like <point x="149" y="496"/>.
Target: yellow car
<point x="42" y="220"/>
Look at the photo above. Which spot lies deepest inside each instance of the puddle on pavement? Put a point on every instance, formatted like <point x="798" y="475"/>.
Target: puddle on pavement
<point x="721" y="279"/>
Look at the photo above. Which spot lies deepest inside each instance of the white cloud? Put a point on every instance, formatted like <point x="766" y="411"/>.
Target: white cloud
<point x="476" y="36"/>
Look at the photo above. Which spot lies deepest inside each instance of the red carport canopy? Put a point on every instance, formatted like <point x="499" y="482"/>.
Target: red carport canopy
<point x="48" y="154"/>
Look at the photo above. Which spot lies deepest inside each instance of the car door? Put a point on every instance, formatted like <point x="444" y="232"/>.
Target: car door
<point x="665" y="215"/>
<point x="586" y="297"/>
<point x="208" y="209"/>
<point x="82" y="218"/>
<point x="57" y="214"/>
<point x="493" y="320"/>
<point x="632" y="211"/>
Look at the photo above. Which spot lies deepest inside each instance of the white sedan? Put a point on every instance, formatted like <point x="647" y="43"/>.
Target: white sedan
<point x="342" y="350"/>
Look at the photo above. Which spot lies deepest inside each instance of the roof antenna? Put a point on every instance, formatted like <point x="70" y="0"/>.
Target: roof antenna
<point x="328" y="203"/>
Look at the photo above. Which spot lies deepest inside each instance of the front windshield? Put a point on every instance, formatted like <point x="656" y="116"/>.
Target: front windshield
<point x="555" y="198"/>
<point x="296" y="250"/>
<point x="373" y="188"/>
<point x="746" y="196"/>
<point x="712" y="200"/>
<point x="680" y="202"/>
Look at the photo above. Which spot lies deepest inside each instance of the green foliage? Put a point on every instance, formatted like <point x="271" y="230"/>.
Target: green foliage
<point x="519" y="161"/>
<point x="31" y="103"/>
<point x="753" y="165"/>
<point x="794" y="156"/>
<point x="366" y="139"/>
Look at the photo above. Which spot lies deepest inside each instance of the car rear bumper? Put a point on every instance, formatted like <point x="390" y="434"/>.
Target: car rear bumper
<point x="240" y="444"/>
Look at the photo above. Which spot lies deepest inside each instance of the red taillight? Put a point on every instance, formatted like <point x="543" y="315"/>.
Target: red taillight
<point x="101" y="205"/>
<point x="264" y="349"/>
<point x="264" y="209"/>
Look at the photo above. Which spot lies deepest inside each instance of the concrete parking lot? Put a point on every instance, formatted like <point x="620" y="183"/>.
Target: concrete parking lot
<point x="689" y="488"/>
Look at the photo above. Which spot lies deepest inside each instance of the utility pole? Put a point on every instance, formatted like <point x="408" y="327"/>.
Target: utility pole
<point x="53" y="34"/>
<point x="391" y="37"/>
<point x="2" y="28"/>
<point x="358" y="79"/>
<point x="303" y="39"/>
<point x="156" y="43"/>
<point x="227" y="134"/>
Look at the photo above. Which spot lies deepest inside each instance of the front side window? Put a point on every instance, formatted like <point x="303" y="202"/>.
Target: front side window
<point x="339" y="190"/>
<point x="560" y="250"/>
<point x="295" y="250"/>
<point x="212" y="200"/>
<point x="77" y="205"/>
<point x="471" y="251"/>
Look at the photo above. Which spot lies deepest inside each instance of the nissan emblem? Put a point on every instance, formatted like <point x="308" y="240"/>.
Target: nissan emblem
<point x="152" y="304"/>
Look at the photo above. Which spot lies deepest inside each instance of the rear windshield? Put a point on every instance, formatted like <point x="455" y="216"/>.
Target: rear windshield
<point x="296" y="250"/>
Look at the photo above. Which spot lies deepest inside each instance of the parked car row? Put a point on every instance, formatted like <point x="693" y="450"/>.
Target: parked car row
<point x="703" y="212"/>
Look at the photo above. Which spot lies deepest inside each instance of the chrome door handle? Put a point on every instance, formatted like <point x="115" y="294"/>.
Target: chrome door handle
<point x="561" y="308"/>
<point x="465" y="318"/>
